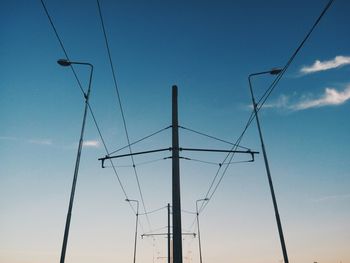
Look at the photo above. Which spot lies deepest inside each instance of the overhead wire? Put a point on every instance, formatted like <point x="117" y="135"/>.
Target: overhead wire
<point x="153" y="211"/>
<point x="122" y="112"/>
<point x="137" y="164"/>
<point x="268" y="92"/>
<point x="211" y="137"/>
<point x="140" y="140"/>
<point x="264" y="98"/>
<point x="89" y="106"/>
<point x="213" y="163"/>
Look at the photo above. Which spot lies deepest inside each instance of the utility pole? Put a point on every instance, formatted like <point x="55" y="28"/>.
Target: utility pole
<point x="177" y="238"/>
<point x="168" y="233"/>
<point x="176" y="199"/>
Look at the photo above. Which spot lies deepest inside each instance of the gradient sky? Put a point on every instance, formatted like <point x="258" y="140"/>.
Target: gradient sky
<point x="207" y="48"/>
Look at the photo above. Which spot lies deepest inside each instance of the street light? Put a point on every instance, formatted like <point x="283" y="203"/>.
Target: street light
<point x="137" y="218"/>
<point x="65" y="62"/>
<point x="199" y="236"/>
<point x="278" y="220"/>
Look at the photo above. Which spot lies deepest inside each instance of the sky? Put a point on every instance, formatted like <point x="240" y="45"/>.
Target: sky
<point x="207" y="49"/>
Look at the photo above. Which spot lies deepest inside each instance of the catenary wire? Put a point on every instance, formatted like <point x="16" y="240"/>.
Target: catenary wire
<point x="268" y="92"/>
<point x="213" y="163"/>
<point x="122" y="111"/>
<point x="211" y="137"/>
<point x="140" y="140"/>
<point x="137" y="164"/>
<point x="252" y="116"/>
<point x="61" y="44"/>
<point x="89" y="106"/>
<point x="153" y="211"/>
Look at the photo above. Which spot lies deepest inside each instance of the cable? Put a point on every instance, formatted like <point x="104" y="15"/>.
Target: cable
<point x="155" y="230"/>
<point x="188" y="212"/>
<point x="279" y="76"/>
<point x="213" y="163"/>
<point x="122" y="111"/>
<point x="144" y="138"/>
<point x="153" y="211"/>
<point x="90" y="108"/>
<point x="212" y="137"/>
<point x="139" y="164"/>
<point x="266" y="95"/>
<point x="61" y="44"/>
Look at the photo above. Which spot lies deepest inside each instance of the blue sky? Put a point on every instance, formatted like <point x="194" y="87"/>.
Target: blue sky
<point x="208" y="49"/>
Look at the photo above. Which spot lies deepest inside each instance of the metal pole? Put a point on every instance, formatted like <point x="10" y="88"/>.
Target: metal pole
<point x="168" y="233"/>
<point x="199" y="235"/>
<point x="137" y="221"/>
<point x="76" y="169"/>
<point x="279" y="225"/>
<point x="177" y="238"/>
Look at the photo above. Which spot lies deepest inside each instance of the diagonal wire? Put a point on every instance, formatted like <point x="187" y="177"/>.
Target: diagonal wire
<point x="121" y="110"/>
<point x="90" y="108"/>
<point x="140" y="140"/>
<point x="264" y="98"/>
<point x="279" y="76"/>
<point x="212" y="137"/>
<point x="153" y="211"/>
<point x="62" y="46"/>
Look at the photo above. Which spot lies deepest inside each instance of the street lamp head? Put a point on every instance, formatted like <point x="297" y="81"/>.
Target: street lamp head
<point x="127" y="200"/>
<point x="64" y="62"/>
<point x="275" y="71"/>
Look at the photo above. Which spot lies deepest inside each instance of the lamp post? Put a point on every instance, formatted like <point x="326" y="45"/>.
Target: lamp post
<point x="278" y="220"/>
<point x="199" y="236"/>
<point x="137" y="220"/>
<point x="66" y="63"/>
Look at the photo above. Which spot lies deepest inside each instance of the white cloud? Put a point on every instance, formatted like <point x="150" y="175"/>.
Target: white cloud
<point x="331" y="97"/>
<point x="282" y="102"/>
<point x="338" y="61"/>
<point x="91" y="143"/>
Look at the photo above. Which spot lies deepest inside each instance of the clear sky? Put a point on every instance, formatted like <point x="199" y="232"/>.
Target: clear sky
<point x="208" y="49"/>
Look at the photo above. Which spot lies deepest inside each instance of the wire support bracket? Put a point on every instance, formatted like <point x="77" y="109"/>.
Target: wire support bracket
<point x="108" y="157"/>
<point x="165" y="234"/>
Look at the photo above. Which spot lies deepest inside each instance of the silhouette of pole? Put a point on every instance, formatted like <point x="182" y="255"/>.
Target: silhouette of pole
<point x="278" y="220"/>
<point x="199" y="235"/>
<point x="177" y="232"/>
<point x="168" y="233"/>
<point x="65" y="63"/>
<point x="137" y="222"/>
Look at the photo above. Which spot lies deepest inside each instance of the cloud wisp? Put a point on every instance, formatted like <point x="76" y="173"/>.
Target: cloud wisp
<point x="318" y="65"/>
<point x="91" y="143"/>
<point x="330" y="97"/>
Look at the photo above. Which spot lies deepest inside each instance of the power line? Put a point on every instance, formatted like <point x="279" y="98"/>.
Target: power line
<point x="61" y="44"/>
<point x="121" y="110"/>
<point x="268" y="92"/>
<point x="211" y="137"/>
<point x="138" y="164"/>
<point x="140" y="140"/>
<point x="213" y="163"/>
<point x="264" y="98"/>
<point x="82" y="90"/>
<point x="153" y="211"/>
